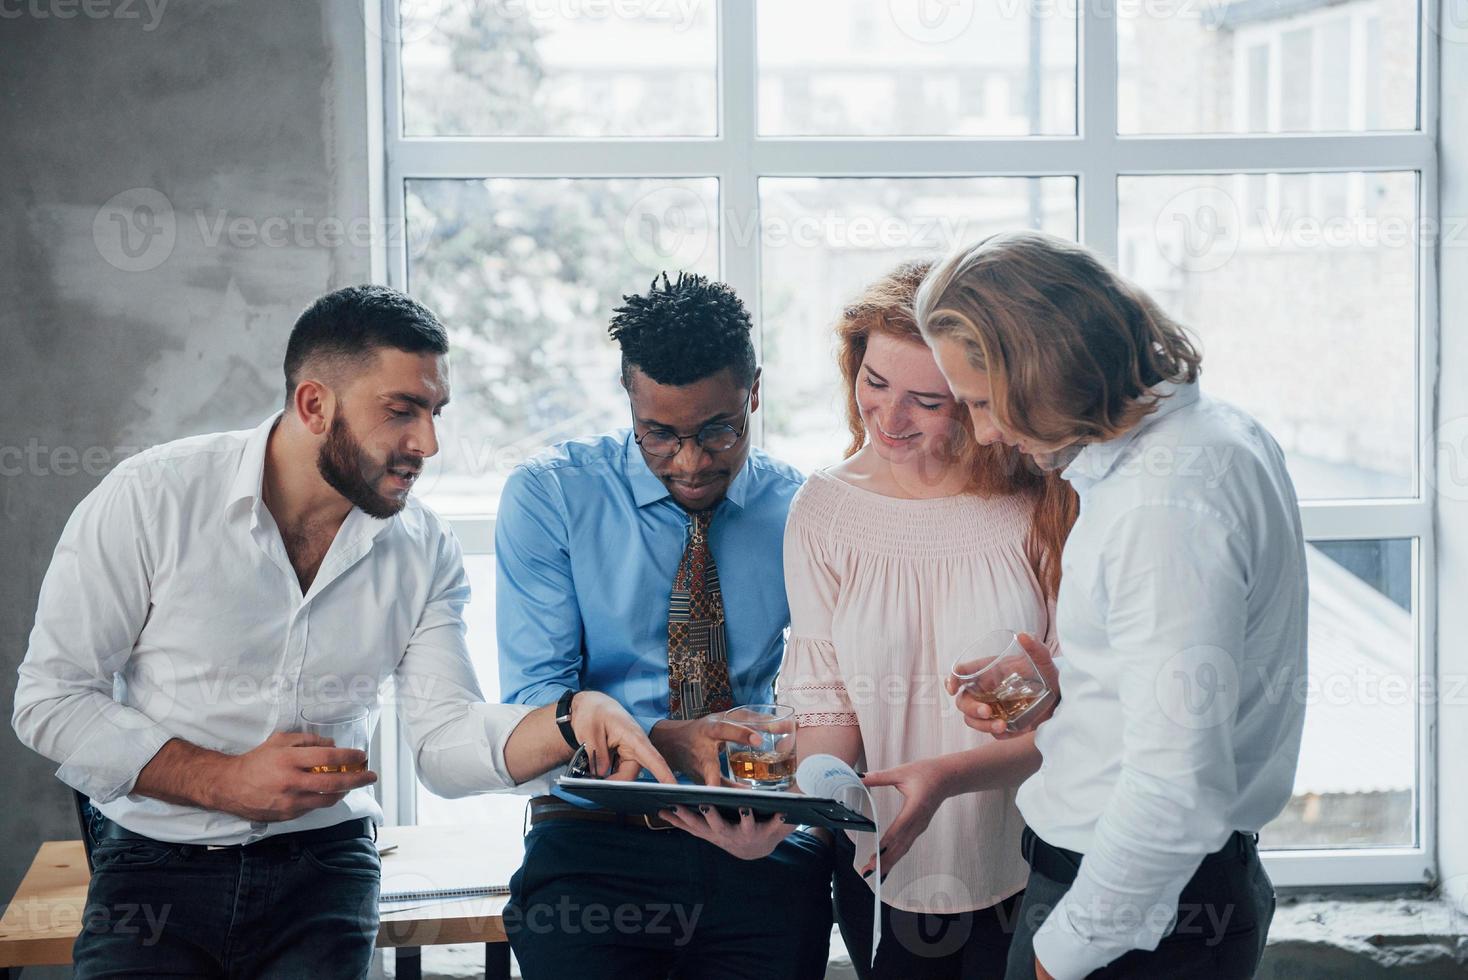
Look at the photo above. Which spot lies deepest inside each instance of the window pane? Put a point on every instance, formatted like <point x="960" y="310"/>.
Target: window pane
<point x="525" y="68"/>
<point x="1358" y="761"/>
<point x="822" y="240"/>
<point x="525" y="274"/>
<point x="916" y="68"/>
<point x="1262" y="66"/>
<point x="1285" y="296"/>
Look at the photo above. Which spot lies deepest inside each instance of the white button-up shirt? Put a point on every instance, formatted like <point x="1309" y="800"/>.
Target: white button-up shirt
<point x="171" y="610"/>
<point x="1181" y="620"/>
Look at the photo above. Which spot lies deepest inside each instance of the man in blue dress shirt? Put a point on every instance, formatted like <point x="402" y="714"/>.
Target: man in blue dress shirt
<point x="647" y="564"/>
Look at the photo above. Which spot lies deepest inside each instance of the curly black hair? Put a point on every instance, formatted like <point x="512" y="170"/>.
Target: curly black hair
<point x="684" y="331"/>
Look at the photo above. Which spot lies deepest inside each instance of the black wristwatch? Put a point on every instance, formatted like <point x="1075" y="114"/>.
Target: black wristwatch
<point x="563" y="719"/>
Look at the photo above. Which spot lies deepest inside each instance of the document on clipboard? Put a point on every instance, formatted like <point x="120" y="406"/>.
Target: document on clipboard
<point x="651" y="798"/>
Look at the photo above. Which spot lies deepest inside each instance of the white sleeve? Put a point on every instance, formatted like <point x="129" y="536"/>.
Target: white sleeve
<point x="458" y="740"/>
<point x="810" y="676"/>
<point x="1176" y="581"/>
<point x="93" y="604"/>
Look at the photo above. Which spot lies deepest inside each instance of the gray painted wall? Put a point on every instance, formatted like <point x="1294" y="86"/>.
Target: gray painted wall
<point x="249" y="118"/>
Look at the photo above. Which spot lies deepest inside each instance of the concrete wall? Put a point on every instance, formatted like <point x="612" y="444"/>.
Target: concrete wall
<point x="239" y="129"/>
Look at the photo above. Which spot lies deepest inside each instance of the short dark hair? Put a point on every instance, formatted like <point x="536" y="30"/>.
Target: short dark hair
<point x="351" y="324"/>
<point x="684" y="331"/>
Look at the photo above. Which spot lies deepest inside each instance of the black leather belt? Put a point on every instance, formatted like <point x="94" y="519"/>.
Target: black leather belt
<point x="104" y="829"/>
<point x="1062" y="866"/>
<point x="543" y="808"/>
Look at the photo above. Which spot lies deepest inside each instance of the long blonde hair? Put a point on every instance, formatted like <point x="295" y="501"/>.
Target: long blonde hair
<point x="1071" y="348"/>
<point x="886" y="307"/>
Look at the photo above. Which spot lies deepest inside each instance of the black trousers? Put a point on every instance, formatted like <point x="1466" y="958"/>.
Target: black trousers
<point x="281" y="909"/>
<point x="959" y="946"/>
<point x="595" y="901"/>
<point x="1222" y="920"/>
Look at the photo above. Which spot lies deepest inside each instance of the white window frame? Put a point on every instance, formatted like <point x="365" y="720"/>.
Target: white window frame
<point x="1096" y="156"/>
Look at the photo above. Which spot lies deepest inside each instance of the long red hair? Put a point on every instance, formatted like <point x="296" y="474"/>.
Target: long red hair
<point x="886" y="307"/>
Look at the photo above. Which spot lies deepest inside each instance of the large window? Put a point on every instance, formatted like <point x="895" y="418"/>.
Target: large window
<point x="1265" y="169"/>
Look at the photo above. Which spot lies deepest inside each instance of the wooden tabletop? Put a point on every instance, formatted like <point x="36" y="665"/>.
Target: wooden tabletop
<point x="438" y="857"/>
<point x="45" y="916"/>
<point x="43" y="919"/>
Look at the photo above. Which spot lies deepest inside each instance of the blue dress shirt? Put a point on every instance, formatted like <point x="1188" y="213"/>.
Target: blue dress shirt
<point x="587" y="542"/>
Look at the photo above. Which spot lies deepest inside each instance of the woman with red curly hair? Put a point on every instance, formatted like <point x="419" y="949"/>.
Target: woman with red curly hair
<point x="896" y="558"/>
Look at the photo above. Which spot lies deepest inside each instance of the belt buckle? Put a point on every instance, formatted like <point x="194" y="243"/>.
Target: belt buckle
<point x="647" y="822"/>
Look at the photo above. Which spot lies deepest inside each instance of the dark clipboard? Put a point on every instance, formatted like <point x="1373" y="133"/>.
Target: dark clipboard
<point x="649" y="798"/>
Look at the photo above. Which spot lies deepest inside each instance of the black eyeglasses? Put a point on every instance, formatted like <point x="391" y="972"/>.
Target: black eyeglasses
<point x="716" y="437"/>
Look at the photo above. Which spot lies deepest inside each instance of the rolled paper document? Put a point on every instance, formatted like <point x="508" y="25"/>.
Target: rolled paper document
<point x="826" y="775"/>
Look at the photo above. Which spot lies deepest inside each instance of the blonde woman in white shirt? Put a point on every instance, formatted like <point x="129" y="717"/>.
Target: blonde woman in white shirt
<point x="1183" y="605"/>
<point x="895" y="559"/>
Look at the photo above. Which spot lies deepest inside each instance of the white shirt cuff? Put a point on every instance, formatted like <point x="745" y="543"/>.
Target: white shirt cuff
<point x="1063" y="951"/>
<point x="500" y="722"/>
<point x="106" y="765"/>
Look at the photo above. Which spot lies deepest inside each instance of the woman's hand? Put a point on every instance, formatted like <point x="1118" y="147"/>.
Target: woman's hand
<point x="924" y="787"/>
<point x="749" y="839"/>
<point x="980" y="717"/>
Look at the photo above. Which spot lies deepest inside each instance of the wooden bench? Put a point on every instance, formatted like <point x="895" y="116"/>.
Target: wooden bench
<point x="43" y="919"/>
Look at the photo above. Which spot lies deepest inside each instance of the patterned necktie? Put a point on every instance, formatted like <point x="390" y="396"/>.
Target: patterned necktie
<point x="698" y="663"/>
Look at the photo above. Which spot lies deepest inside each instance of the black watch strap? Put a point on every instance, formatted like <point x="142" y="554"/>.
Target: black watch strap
<point x="563" y="719"/>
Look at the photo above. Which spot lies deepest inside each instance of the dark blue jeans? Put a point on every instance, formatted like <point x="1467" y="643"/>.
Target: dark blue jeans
<point x="275" y="909"/>
<point x="602" y="901"/>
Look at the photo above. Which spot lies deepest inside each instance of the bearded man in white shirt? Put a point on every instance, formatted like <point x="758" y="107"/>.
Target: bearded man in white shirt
<point x="1181" y="616"/>
<point x="212" y="588"/>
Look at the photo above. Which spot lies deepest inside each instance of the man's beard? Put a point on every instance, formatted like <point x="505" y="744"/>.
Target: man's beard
<point x="348" y="470"/>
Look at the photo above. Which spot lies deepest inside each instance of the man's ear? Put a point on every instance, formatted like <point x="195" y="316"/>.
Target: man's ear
<point x="314" y="405"/>
<point x="754" y="391"/>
